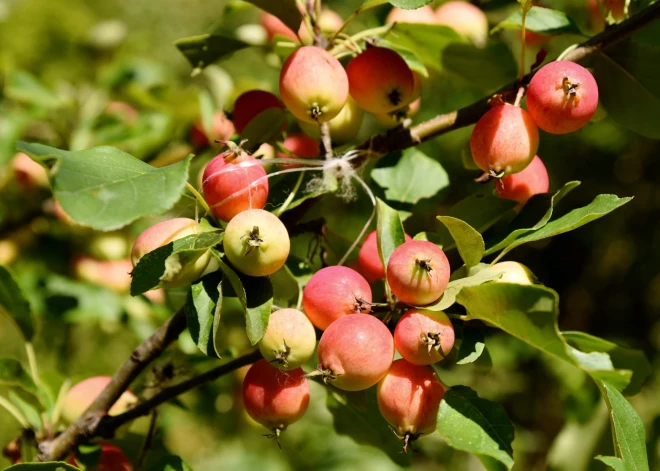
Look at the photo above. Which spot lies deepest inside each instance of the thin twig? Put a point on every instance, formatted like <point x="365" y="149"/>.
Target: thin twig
<point x="146" y="446"/>
<point x="326" y="140"/>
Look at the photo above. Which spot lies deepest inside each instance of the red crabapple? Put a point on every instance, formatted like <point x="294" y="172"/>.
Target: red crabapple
<point x="28" y="172"/>
<point x="123" y="112"/>
<point x="313" y="85"/>
<point x="114" y="274"/>
<point x="302" y="146"/>
<point x="274" y="26"/>
<point x="418" y="272"/>
<point x="514" y="272"/>
<point x="273" y="397"/>
<point x="409" y="397"/>
<point x="256" y="242"/>
<point x="82" y="394"/>
<point x="163" y="233"/>
<point x="233" y="182"/>
<point x="504" y="140"/>
<point x="343" y="128"/>
<point x="380" y="81"/>
<point x="396" y="117"/>
<point x="521" y="186"/>
<point x="424" y="337"/>
<point x="562" y="97"/>
<point x="250" y="104"/>
<point x="289" y="340"/>
<point x="424" y="14"/>
<point x="355" y="352"/>
<point x="369" y="263"/>
<point x="112" y="459"/>
<point x="616" y="7"/>
<point x="466" y="19"/>
<point x="332" y="293"/>
<point x="223" y="129"/>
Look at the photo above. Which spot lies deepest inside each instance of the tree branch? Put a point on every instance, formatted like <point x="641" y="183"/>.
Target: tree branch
<point x="399" y="139"/>
<point x="87" y="424"/>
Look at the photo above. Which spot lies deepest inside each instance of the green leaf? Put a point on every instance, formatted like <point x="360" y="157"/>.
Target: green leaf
<point x="29" y="407"/>
<point x="488" y="69"/>
<point x="166" y="262"/>
<point x="472" y="345"/>
<point x="92" y="302"/>
<point x="528" y="219"/>
<point x="265" y="126"/>
<point x="49" y="466"/>
<point x="599" y="207"/>
<point x="14" y="304"/>
<point x="627" y="429"/>
<point x="389" y="230"/>
<point x="414" y="177"/>
<point x="620" y="357"/>
<point x="540" y="20"/>
<point x="356" y="414"/>
<point x="285" y="10"/>
<point x="12" y="373"/>
<point x="255" y="296"/>
<point x="24" y="87"/>
<point x="629" y="87"/>
<point x="469" y="242"/>
<point x="455" y="286"/>
<point x="286" y="289"/>
<point x="106" y="188"/>
<point x="205" y="49"/>
<point x="170" y="463"/>
<point x="426" y="40"/>
<point x="202" y="309"/>
<point x="88" y="456"/>
<point x="371" y="4"/>
<point x="410" y="4"/>
<point x="613" y="462"/>
<point x="468" y="423"/>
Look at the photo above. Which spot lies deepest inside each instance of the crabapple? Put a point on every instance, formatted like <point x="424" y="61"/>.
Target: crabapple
<point x="616" y="7"/>
<point x="163" y="233"/>
<point x="275" y="398"/>
<point x="343" y="128"/>
<point x="302" y="146"/>
<point x="466" y="19"/>
<point x="223" y="129"/>
<point x="328" y="22"/>
<point x="380" y="81"/>
<point x="424" y="337"/>
<point x="28" y="172"/>
<point x="355" y="352"/>
<point x="256" y="242"/>
<point x="562" y="97"/>
<point x="409" y="397"/>
<point x="82" y="394"/>
<point x="332" y="293"/>
<point x="396" y="117"/>
<point x="250" y="104"/>
<point x="233" y="182"/>
<point x="112" y="459"/>
<point x="514" y="272"/>
<point x="274" y="26"/>
<point x="122" y="111"/>
<point x="521" y="186"/>
<point x="369" y="263"/>
<point x="313" y="85"/>
<point x="418" y="272"/>
<point x="114" y="274"/>
<point x="109" y="246"/>
<point x="424" y="14"/>
<point x="504" y="140"/>
<point x="289" y="340"/>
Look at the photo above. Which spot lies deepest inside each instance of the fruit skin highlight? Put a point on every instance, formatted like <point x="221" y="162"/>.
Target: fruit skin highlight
<point x="466" y="19"/>
<point x="424" y="337"/>
<point x="275" y="398"/>
<point x="369" y="262"/>
<point x="521" y="186"/>
<point x="504" y="140"/>
<point x="250" y="104"/>
<point x="334" y="292"/>
<point x="562" y="97"/>
<point x="256" y="243"/>
<point x="313" y="85"/>
<point x="234" y="182"/>
<point x="380" y="81"/>
<point x="409" y="398"/>
<point x="82" y="394"/>
<point x="289" y="340"/>
<point x="355" y="352"/>
<point x="418" y="272"/>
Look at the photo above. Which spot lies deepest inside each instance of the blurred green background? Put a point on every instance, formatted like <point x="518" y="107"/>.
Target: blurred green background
<point x="86" y="53"/>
